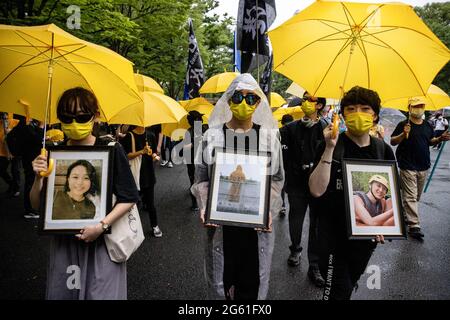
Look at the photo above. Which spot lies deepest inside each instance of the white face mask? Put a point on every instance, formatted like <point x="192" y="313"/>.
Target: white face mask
<point x="308" y="122"/>
<point x="417" y="112"/>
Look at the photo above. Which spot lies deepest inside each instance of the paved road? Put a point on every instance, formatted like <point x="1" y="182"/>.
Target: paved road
<point x="172" y="267"/>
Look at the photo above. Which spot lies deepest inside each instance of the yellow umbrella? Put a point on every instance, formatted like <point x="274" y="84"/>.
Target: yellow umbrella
<point x="276" y="100"/>
<point x="156" y="108"/>
<point x="37" y="64"/>
<point x="218" y="83"/>
<point x="435" y="99"/>
<point x="332" y="46"/>
<point x="145" y="83"/>
<point x="198" y="104"/>
<point x="295" y="112"/>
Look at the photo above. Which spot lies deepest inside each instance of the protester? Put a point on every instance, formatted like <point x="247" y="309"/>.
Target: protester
<point x="238" y="259"/>
<point x="285" y="119"/>
<point x="440" y="125"/>
<point x="414" y="137"/>
<point x="300" y="141"/>
<point x="100" y="278"/>
<point x="165" y="147"/>
<point x="6" y="158"/>
<point x="192" y="140"/>
<point x="139" y="144"/>
<point x="343" y="261"/>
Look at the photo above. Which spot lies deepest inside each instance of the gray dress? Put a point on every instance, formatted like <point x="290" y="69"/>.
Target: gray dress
<point x="84" y="271"/>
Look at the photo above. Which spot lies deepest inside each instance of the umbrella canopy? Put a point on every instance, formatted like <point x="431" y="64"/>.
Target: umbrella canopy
<point x="276" y="100"/>
<point x="156" y="108"/>
<point x="295" y="112"/>
<point x="331" y="46"/>
<point x="37" y="64"/>
<point x="145" y="83"/>
<point x="218" y="83"/>
<point x="197" y="104"/>
<point x="436" y="99"/>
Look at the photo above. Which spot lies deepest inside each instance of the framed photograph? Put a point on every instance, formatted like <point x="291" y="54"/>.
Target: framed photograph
<point x="372" y="198"/>
<point x="239" y="190"/>
<point x="78" y="191"/>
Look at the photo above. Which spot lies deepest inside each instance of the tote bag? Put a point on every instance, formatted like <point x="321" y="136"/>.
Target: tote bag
<point x="126" y="235"/>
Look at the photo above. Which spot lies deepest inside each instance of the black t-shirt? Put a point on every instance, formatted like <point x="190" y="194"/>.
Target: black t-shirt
<point x="414" y="153"/>
<point x="195" y="138"/>
<point x="123" y="185"/>
<point x="147" y="173"/>
<point x="331" y="205"/>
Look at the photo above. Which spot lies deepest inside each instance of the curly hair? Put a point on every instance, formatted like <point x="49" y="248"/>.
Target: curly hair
<point x="92" y="173"/>
<point x="363" y="96"/>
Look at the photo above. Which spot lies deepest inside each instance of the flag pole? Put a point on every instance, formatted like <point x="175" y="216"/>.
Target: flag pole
<point x="257" y="38"/>
<point x="434" y="166"/>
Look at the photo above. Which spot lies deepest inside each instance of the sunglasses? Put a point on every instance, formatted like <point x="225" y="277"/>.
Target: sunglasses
<point x="80" y="118"/>
<point x="250" y="98"/>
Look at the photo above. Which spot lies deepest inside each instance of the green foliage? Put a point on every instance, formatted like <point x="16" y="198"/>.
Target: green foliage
<point x="360" y="181"/>
<point x="437" y="17"/>
<point x="151" y="33"/>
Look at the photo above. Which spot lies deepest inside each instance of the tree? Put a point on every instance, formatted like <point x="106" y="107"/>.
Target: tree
<point x="437" y="17"/>
<point x="151" y="33"/>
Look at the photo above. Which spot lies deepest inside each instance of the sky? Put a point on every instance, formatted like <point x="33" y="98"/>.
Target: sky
<point x="287" y="8"/>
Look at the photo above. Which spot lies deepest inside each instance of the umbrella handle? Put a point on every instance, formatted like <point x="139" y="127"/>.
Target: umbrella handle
<point x="335" y="126"/>
<point x="51" y="163"/>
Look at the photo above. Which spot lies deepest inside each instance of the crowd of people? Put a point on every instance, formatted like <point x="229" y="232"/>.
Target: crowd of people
<point x="306" y="169"/>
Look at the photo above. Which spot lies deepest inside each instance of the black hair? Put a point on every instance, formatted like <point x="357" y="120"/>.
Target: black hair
<point x="363" y="96"/>
<point x="72" y="98"/>
<point x="194" y="116"/>
<point x="322" y="101"/>
<point x="287" y="118"/>
<point x="92" y="173"/>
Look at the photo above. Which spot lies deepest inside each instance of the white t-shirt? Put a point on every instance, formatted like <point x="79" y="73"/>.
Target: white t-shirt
<point x="440" y="124"/>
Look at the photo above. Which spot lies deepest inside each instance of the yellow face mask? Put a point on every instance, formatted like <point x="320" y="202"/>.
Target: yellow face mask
<point x="359" y="123"/>
<point x="308" y="108"/>
<point x="77" y="131"/>
<point x="242" y="111"/>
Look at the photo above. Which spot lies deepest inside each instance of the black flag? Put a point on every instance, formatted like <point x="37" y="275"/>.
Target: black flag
<point x="253" y="21"/>
<point x="195" y="76"/>
<point x="266" y="79"/>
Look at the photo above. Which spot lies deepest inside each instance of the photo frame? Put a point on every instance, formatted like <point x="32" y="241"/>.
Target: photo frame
<point x="78" y="192"/>
<point x="239" y="193"/>
<point x="372" y="199"/>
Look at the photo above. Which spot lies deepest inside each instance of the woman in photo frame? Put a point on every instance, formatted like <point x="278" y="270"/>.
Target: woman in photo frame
<point x="238" y="259"/>
<point x="99" y="278"/>
<point x="75" y="201"/>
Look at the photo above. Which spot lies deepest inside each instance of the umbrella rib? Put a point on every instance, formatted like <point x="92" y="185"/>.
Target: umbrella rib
<point x="329" y="68"/>
<point x="307" y="45"/>
<point x="406" y="63"/>
<point x="113" y="73"/>
<point x="332" y="27"/>
<point x="413" y="30"/>
<point x="30" y="44"/>
<point x="364" y="24"/>
<point x="362" y="47"/>
<point x="19" y="66"/>
<point x="29" y="35"/>
<point x="18" y="51"/>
